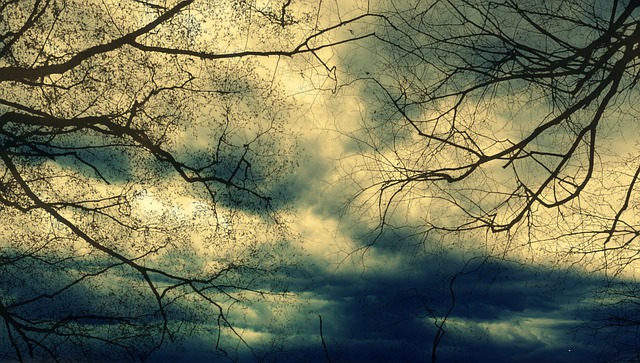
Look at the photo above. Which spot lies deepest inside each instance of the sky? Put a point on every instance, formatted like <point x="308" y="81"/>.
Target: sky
<point x="382" y="303"/>
<point x="390" y="295"/>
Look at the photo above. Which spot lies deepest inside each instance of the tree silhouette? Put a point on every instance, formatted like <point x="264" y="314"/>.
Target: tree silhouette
<point x="509" y="116"/>
<point x="139" y="142"/>
<point x="516" y="118"/>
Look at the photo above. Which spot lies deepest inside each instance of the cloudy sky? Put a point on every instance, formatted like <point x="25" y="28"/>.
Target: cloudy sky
<point x="385" y="302"/>
<point x="313" y="132"/>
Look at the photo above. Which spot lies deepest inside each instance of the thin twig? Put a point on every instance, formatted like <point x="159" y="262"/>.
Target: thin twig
<point x="326" y="352"/>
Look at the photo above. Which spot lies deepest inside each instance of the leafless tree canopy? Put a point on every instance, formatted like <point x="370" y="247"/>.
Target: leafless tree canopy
<point x="142" y="144"/>
<point x="139" y="141"/>
<point x="511" y="116"/>
<point x="514" y="121"/>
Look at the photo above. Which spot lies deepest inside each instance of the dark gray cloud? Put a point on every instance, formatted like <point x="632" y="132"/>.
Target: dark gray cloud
<point x="504" y="312"/>
<point x="385" y="311"/>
